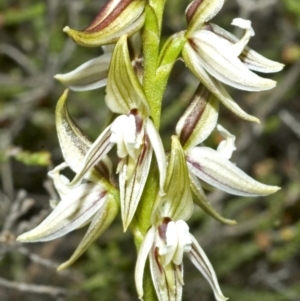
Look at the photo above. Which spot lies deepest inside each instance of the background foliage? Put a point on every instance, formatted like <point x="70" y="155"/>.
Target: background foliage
<point x="256" y="260"/>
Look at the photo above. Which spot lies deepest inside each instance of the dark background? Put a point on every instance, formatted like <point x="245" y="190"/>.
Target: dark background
<point x="256" y="260"/>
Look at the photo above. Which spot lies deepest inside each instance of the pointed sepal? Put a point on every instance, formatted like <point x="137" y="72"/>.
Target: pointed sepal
<point x="199" y="119"/>
<point x="143" y="253"/>
<point x="89" y="76"/>
<point x="94" y="155"/>
<point x="100" y="222"/>
<point x="73" y="143"/>
<point x="72" y="212"/>
<point x="211" y="167"/>
<point x="202" y="263"/>
<point x="199" y="12"/>
<point x="193" y="63"/>
<point x="116" y="18"/>
<point x="217" y="58"/>
<point x="124" y="91"/>
<point x="200" y="199"/>
<point x="132" y="179"/>
<point x="177" y="202"/>
<point x="250" y="58"/>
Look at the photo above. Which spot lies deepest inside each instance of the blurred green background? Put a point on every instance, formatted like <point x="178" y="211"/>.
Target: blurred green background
<point x="259" y="259"/>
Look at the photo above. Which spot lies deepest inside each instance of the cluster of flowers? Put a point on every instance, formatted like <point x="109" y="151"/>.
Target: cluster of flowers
<point x="215" y="56"/>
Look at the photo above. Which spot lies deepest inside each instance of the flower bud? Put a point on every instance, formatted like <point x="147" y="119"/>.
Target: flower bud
<point x="116" y="18"/>
<point x="201" y="11"/>
<point x="199" y="120"/>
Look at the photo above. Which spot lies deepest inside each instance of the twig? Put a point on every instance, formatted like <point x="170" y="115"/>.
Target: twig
<point x="32" y="288"/>
<point x="290" y="121"/>
<point x="18" y="57"/>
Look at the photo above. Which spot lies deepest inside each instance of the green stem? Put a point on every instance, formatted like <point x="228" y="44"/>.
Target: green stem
<point x="151" y="43"/>
<point x="151" y="40"/>
<point x="157" y="67"/>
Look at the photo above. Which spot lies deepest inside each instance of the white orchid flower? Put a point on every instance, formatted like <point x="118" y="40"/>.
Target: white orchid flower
<point x="169" y="238"/>
<point x="216" y="56"/>
<point x="209" y="165"/>
<point x="133" y="132"/>
<point x="90" y="202"/>
<point x="165" y="245"/>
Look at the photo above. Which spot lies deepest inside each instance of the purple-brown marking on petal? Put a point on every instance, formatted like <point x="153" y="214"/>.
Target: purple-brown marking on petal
<point x="156" y="257"/>
<point x="199" y="102"/>
<point x="208" y="27"/>
<point x="189" y="13"/>
<point x="144" y="149"/>
<point x="138" y="120"/>
<point x="162" y="228"/>
<point x="105" y="21"/>
<point x="101" y="196"/>
<point x="106" y="142"/>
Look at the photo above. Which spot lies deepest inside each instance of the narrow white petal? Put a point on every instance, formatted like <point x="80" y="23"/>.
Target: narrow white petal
<point x="89" y="76"/>
<point x="97" y="151"/>
<point x="227" y="146"/>
<point x="132" y="182"/>
<point x="184" y="241"/>
<point x="250" y="58"/>
<point x="201" y="200"/>
<point x="71" y="213"/>
<point x="141" y="261"/>
<point x="217" y="171"/>
<point x="216" y="57"/>
<point x="202" y="263"/>
<point x="167" y="279"/>
<point x="159" y="153"/>
<point x="100" y="222"/>
<point x="192" y="62"/>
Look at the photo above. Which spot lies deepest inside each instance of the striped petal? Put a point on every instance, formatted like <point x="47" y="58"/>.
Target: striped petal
<point x="250" y="58"/>
<point x="89" y="76"/>
<point x="167" y="279"/>
<point x="132" y="182"/>
<point x="95" y="154"/>
<point x="124" y="91"/>
<point x="177" y="203"/>
<point x="116" y="18"/>
<point x="72" y="212"/>
<point x="215" y="87"/>
<point x="202" y="263"/>
<point x="100" y="222"/>
<point x="211" y="167"/>
<point x="200" y="199"/>
<point x="222" y="63"/>
<point x="199" y="120"/>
